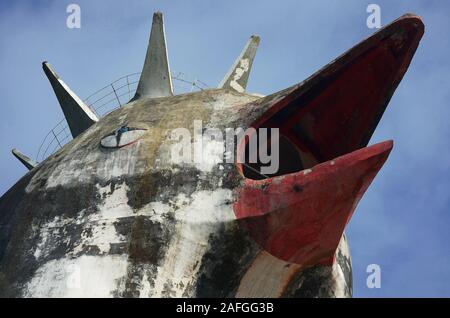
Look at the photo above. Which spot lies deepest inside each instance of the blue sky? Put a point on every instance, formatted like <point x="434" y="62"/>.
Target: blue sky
<point x="403" y="221"/>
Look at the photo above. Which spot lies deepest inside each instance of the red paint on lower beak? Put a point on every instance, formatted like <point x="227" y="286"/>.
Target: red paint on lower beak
<point x="300" y="217"/>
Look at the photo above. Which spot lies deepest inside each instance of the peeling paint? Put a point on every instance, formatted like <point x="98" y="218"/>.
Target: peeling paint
<point x="97" y="277"/>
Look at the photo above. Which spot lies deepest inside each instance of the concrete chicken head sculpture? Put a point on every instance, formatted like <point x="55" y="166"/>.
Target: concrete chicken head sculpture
<point x="141" y="203"/>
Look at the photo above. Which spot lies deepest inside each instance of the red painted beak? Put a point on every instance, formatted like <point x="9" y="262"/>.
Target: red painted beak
<point x="300" y="216"/>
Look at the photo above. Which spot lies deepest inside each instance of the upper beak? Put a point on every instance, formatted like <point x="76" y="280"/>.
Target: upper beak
<point x="336" y="110"/>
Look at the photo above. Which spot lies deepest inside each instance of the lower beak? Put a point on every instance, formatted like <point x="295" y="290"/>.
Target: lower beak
<point x="300" y="217"/>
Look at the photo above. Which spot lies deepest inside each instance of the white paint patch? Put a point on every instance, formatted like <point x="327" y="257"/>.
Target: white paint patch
<point x="98" y="229"/>
<point x="42" y="243"/>
<point x="47" y="236"/>
<point x="244" y="65"/>
<point x="213" y="154"/>
<point x="196" y="218"/>
<point x="206" y="207"/>
<point x="146" y="288"/>
<point x="267" y="277"/>
<point x="339" y="281"/>
<point x="208" y="153"/>
<point x="100" y="235"/>
<point x="196" y="221"/>
<point x="97" y="274"/>
<point x="96" y="277"/>
<point x="115" y="205"/>
<point x="338" y="277"/>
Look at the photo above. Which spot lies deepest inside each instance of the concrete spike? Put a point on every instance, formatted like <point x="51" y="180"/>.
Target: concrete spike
<point x="78" y="115"/>
<point x="237" y="76"/>
<point x="26" y="161"/>
<point x="155" y="78"/>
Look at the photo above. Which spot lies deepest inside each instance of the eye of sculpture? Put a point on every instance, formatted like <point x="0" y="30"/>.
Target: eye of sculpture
<point x="122" y="137"/>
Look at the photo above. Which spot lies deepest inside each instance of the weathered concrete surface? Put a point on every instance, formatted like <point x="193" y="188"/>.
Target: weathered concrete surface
<point x="78" y="115"/>
<point x="237" y="76"/>
<point x="155" y="78"/>
<point x="129" y="222"/>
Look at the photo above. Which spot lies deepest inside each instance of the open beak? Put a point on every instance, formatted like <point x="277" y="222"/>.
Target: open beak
<point x="299" y="215"/>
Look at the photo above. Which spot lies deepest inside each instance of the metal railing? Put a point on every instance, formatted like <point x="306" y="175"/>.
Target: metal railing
<point x="104" y="101"/>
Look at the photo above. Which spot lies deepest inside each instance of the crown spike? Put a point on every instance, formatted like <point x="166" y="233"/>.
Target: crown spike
<point x="155" y="78"/>
<point x="26" y="161"/>
<point x="237" y="76"/>
<point x="78" y="115"/>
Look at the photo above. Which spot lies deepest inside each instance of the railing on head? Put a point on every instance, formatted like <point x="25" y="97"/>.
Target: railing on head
<point x="104" y="101"/>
